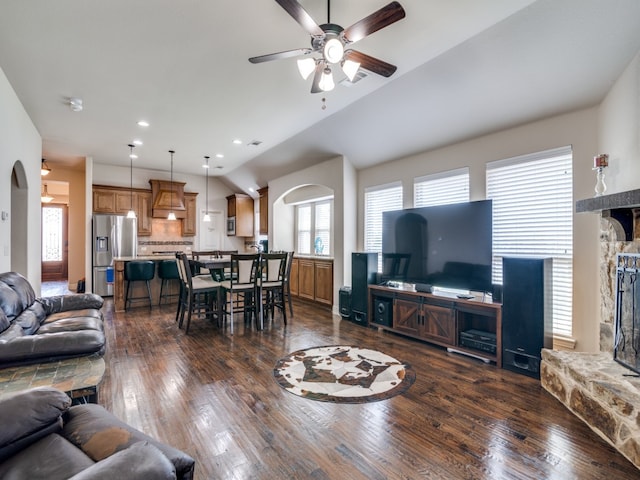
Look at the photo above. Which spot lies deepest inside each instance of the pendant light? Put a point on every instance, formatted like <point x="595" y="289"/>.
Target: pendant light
<point x="206" y="217"/>
<point x="44" y="168"/>
<point x="45" y="197"/>
<point x="171" y="216"/>
<point x="131" y="213"/>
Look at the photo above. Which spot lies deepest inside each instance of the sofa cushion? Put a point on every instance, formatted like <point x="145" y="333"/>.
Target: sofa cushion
<point x="10" y="302"/>
<point x="20" y="286"/>
<point x="72" y="324"/>
<point x="100" y="434"/>
<point x="31" y="318"/>
<point x="140" y="461"/>
<point x="33" y="348"/>
<point x="25" y="412"/>
<point x="50" y="458"/>
<point x="65" y="303"/>
<point x="4" y="321"/>
<point x="85" y="312"/>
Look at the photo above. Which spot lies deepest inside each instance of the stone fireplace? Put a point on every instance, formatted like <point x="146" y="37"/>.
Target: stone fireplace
<point x="603" y="392"/>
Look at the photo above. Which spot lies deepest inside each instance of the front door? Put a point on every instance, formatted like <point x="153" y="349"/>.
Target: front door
<point x="54" y="243"/>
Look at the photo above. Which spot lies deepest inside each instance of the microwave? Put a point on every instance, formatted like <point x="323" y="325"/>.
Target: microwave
<point x="231" y="225"/>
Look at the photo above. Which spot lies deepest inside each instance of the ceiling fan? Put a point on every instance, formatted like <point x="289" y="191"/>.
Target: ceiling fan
<point x="331" y="41"/>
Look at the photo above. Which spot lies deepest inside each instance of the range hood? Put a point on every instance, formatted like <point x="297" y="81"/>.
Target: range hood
<point x="167" y="197"/>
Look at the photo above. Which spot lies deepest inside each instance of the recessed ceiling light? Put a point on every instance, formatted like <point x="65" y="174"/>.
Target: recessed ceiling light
<point x="137" y="142"/>
<point x="219" y="155"/>
<point x="219" y="167"/>
<point x="143" y="123"/>
<point x="205" y="165"/>
<point x="133" y="156"/>
<point x="237" y="141"/>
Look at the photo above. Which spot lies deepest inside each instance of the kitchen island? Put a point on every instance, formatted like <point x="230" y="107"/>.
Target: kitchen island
<point x="139" y="289"/>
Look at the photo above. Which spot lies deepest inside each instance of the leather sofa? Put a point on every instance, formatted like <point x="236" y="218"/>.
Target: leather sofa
<point x="43" y="437"/>
<point x="35" y="330"/>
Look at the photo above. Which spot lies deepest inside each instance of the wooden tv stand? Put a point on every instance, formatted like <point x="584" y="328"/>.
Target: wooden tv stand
<point x="438" y="318"/>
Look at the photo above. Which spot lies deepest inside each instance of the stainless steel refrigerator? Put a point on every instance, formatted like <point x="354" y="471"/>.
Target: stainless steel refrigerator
<point x="113" y="236"/>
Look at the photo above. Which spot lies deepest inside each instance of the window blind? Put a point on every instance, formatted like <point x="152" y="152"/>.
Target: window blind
<point x="441" y="188"/>
<point x="377" y="200"/>
<point x="304" y="229"/>
<point x="323" y="228"/>
<point x="533" y="216"/>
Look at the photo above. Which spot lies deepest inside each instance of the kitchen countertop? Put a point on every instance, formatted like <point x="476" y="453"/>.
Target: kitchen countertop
<point x="155" y="258"/>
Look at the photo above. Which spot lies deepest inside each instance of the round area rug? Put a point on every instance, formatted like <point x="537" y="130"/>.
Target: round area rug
<point x="343" y="374"/>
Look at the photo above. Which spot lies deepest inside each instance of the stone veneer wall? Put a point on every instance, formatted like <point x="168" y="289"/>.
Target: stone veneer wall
<point x="592" y="385"/>
<point x="595" y="388"/>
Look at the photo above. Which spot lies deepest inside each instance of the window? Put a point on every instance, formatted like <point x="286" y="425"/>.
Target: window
<point x="533" y="216"/>
<point x="441" y="188"/>
<point x="313" y="222"/>
<point x="379" y="199"/>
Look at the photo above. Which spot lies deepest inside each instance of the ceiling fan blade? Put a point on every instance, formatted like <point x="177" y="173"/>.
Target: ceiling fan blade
<point x="301" y="16"/>
<point x="315" y="86"/>
<point x="279" y="55"/>
<point x="370" y="63"/>
<point x="382" y="18"/>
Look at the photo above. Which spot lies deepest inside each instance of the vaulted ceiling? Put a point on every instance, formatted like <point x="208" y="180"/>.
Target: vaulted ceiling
<point x="465" y="68"/>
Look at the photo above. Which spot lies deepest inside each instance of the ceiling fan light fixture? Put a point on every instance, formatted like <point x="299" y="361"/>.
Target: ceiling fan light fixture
<point x="306" y="66"/>
<point x="326" y="83"/>
<point x="333" y="50"/>
<point x="350" y="69"/>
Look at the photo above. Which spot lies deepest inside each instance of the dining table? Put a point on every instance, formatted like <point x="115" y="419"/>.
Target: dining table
<point x="215" y="265"/>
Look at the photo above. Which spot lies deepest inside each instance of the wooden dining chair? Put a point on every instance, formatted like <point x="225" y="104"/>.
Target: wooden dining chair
<point x="241" y="288"/>
<point x="200" y="294"/>
<point x="271" y="283"/>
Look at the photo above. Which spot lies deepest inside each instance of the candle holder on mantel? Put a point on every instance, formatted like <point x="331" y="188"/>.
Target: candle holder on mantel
<point x="600" y="162"/>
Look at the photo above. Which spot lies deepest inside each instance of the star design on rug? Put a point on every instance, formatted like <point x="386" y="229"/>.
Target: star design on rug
<point x="344" y="374"/>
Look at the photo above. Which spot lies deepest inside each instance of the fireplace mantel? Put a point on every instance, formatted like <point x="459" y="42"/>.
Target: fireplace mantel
<point x="621" y="209"/>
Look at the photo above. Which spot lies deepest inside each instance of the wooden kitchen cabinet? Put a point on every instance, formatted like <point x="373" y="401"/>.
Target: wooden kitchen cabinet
<point x="312" y="279"/>
<point x="240" y="206"/>
<point x="293" y="278"/>
<point x="323" y="281"/>
<point x="104" y="200"/>
<point x="264" y="210"/>
<point x="190" y="222"/>
<point x="144" y="213"/>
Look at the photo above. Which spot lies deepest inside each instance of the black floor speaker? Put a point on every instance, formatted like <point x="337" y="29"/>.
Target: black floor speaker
<point x="344" y="297"/>
<point x="364" y="272"/>
<point x="527" y="302"/>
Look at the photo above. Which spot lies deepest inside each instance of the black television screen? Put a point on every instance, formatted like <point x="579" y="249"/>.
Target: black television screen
<point x="447" y="245"/>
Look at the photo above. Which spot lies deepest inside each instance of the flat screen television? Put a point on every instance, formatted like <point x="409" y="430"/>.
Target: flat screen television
<point x="448" y="246"/>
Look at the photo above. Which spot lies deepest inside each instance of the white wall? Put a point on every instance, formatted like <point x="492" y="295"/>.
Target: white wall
<point x="19" y="141"/>
<point x="578" y="129"/>
<point x="619" y="131"/>
<point x="336" y="174"/>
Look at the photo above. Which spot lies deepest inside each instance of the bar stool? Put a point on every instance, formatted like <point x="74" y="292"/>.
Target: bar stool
<point x="138" y="271"/>
<point x="167" y="271"/>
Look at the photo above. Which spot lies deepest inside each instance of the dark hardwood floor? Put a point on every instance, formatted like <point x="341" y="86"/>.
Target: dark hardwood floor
<point x="213" y="395"/>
